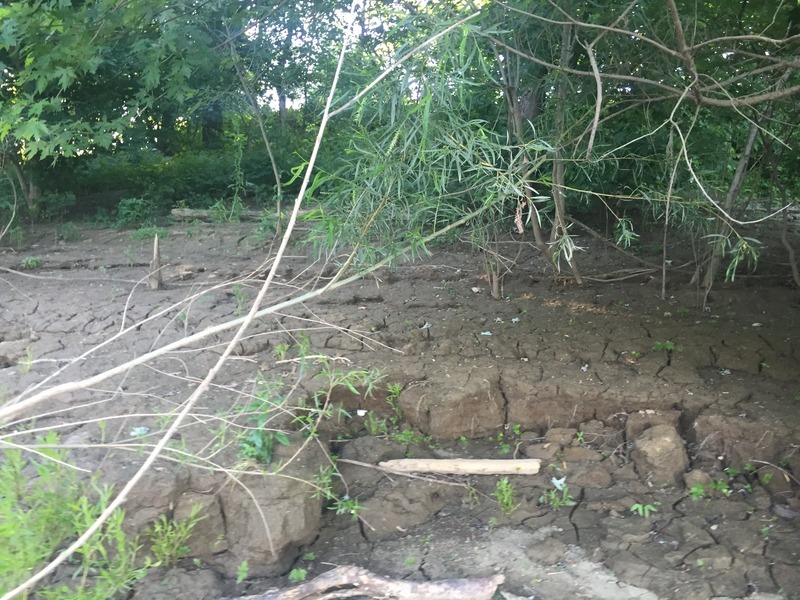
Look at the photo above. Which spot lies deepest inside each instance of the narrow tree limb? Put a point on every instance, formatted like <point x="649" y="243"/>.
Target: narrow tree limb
<point x="350" y="581"/>
<point x="477" y="466"/>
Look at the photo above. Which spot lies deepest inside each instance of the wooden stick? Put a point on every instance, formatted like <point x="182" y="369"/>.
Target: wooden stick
<point x="527" y="466"/>
<point x="350" y="581"/>
<point x="154" y="281"/>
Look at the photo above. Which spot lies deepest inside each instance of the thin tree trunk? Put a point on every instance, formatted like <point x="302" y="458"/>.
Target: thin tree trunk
<point x="559" y="167"/>
<point x="723" y="223"/>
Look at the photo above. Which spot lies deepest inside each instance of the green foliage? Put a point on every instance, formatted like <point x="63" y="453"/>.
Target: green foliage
<point x="132" y="212"/>
<point x="241" y="572"/>
<point x="668" y="346"/>
<point x="298" y="575"/>
<point x="644" y="510"/>
<point x="504" y="492"/>
<point x="29" y="263"/>
<point x="257" y="442"/>
<point x="169" y="537"/>
<point x="557" y="496"/>
<point x="41" y="515"/>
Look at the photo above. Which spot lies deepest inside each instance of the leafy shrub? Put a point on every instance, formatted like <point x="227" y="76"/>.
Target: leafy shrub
<point x="134" y="211"/>
<point x="41" y="514"/>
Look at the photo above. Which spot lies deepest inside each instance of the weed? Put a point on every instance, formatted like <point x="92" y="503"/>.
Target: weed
<point x="410" y="561"/>
<point x="309" y="556"/>
<point x="280" y="351"/>
<point x="298" y="575"/>
<point x="242" y="297"/>
<point x="345" y="505"/>
<point x="644" y="510"/>
<point x="41" y="514"/>
<point x="697" y="492"/>
<point x="409" y="436"/>
<point x="375" y="425"/>
<point x="720" y="486"/>
<point x="16" y="237"/>
<point x="241" y="572"/>
<point x="30" y="263"/>
<point x="504" y="493"/>
<point x="222" y="213"/>
<point x="258" y="442"/>
<point x="25" y="364"/>
<point x="464" y="441"/>
<point x="668" y="346"/>
<point x="579" y="437"/>
<point x="68" y="232"/>
<point x="169" y="537"/>
<point x="558" y="495"/>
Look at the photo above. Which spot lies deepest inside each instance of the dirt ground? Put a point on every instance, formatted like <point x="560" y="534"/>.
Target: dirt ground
<point x="573" y="375"/>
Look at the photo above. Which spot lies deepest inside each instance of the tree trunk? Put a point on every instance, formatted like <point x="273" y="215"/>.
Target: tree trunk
<point x="559" y="166"/>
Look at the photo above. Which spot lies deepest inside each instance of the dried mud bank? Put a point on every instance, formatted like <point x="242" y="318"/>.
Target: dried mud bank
<point x="688" y="417"/>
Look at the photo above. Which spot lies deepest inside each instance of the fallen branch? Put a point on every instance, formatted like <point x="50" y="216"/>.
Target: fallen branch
<point x="350" y="582"/>
<point x="463" y="466"/>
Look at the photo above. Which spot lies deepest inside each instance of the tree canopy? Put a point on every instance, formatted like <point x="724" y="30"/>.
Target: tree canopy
<point x="511" y="115"/>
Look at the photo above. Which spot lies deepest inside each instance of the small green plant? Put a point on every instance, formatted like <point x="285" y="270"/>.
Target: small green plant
<point x="579" y="437"/>
<point x="504" y="493"/>
<point x="221" y="212"/>
<point x="68" y="232"/>
<point x="697" y="492"/>
<point x="241" y="572"/>
<point x="410" y="561"/>
<point x="558" y="495"/>
<point x="298" y="575"/>
<point x="309" y="556"/>
<point x="668" y="346"/>
<point x="517" y="429"/>
<point x="644" y="510"/>
<point x="409" y="436"/>
<point x="242" y="298"/>
<point x="258" y="442"/>
<point x="169" y="537"/>
<point x="280" y="351"/>
<point x="375" y="425"/>
<point x="347" y="505"/>
<point x="721" y="487"/>
<point x="30" y="263"/>
<point x="26" y="363"/>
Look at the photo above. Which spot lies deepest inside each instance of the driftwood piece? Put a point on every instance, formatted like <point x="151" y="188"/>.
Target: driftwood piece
<point x="350" y="582"/>
<point x="199" y="214"/>
<point x="154" y="280"/>
<point x="464" y="466"/>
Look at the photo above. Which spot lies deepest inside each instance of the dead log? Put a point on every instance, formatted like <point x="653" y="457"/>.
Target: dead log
<point x="154" y="280"/>
<point x="205" y="215"/>
<point x="463" y="466"/>
<point x="351" y="581"/>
